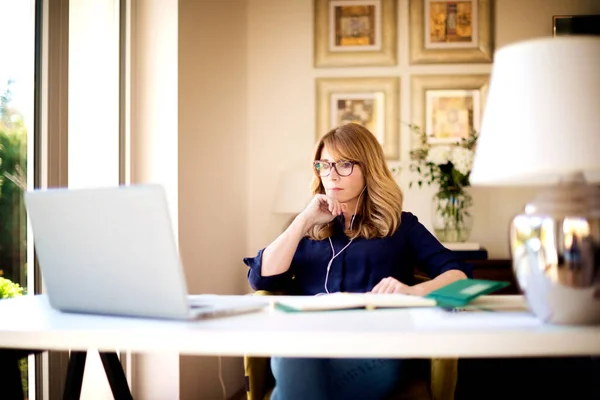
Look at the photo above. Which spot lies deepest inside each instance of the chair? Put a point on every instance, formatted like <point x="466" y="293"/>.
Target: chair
<point x="433" y="379"/>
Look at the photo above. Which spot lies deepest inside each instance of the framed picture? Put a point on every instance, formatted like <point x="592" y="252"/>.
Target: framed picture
<point x="354" y="33"/>
<point x="371" y="102"/>
<point x="451" y="115"/>
<point x="447" y="107"/>
<point x="450" y="31"/>
<point x="563" y="25"/>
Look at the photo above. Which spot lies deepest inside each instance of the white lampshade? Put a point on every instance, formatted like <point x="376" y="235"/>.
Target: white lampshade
<point x="293" y="191"/>
<point x="542" y="114"/>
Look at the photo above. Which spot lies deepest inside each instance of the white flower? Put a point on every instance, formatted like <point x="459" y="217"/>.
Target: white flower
<point x="462" y="159"/>
<point x="439" y="155"/>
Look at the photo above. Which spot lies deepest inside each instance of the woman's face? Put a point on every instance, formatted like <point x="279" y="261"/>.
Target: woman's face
<point x="342" y="188"/>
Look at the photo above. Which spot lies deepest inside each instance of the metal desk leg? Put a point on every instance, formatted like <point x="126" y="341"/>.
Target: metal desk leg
<point x="116" y="376"/>
<point x="112" y="367"/>
<point x="10" y="374"/>
<point x="74" y="375"/>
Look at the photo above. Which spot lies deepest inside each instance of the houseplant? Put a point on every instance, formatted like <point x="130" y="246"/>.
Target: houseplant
<point x="448" y="167"/>
<point x="9" y="288"/>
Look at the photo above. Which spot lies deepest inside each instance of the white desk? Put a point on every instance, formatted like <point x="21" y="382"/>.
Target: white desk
<point x="29" y="323"/>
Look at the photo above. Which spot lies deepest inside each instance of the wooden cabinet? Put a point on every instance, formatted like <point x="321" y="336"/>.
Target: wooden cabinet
<point x="497" y="270"/>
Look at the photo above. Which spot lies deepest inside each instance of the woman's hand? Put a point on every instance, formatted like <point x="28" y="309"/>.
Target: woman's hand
<point x="392" y="285"/>
<point x="320" y="210"/>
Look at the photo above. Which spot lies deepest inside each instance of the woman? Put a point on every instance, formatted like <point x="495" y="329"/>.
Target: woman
<point x="352" y="237"/>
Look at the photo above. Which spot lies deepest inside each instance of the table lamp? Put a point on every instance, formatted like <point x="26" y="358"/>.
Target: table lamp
<point x="541" y="126"/>
<point x="293" y="192"/>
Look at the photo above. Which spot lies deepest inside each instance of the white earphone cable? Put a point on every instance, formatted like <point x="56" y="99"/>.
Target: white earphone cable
<point x="331" y="261"/>
<point x="221" y="381"/>
<point x="334" y="255"/>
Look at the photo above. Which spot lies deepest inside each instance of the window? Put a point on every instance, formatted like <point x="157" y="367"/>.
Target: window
<point x="17" y="68"/>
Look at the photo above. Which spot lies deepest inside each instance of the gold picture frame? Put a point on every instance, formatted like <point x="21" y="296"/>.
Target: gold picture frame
<point x="372" y="102"/>
<point x="447" y="107"/>
<point x="468" y="41"/>
<point x="355" y="33"/>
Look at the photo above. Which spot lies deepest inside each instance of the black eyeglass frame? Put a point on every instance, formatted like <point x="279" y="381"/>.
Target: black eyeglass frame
<point x="332" y="165"/>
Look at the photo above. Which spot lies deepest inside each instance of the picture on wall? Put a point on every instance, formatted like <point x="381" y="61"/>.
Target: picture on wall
<point x="447" y="107"/>
<point x="450" y="31"/>
<point x="451" y="115"/>
<point x="355" y="27"/>
<point x="566" y="25"/>
<point x="362" y="108"/>
<point x="450" y="24"/>
<point x="371" y="102"/>
<point x="354" y="33"/>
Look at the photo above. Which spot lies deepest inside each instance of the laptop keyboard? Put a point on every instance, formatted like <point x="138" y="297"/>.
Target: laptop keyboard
<point x="212" y="301"/>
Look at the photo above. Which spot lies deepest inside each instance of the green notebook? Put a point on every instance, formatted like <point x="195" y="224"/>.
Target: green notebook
<point x="461" y="292"/>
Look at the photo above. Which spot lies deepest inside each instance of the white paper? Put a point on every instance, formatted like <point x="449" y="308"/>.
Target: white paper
<point x="353" y="300"/>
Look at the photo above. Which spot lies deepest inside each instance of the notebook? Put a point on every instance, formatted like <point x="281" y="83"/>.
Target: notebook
<point x="349" y="301"/>
<point x="112" y="251"/>
<point x="455" y="294"/>
<point x="460" y="293"/>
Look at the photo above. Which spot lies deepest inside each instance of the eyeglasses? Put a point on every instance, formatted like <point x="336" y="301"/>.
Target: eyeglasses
<point x="343" y="168"/>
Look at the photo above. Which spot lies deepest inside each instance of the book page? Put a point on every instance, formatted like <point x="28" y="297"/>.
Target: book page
<point x="341" y="301"/>
<point x="396" y="300"/>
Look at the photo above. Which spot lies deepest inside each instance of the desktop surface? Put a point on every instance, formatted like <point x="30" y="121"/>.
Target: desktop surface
<point x="29" y="322"/>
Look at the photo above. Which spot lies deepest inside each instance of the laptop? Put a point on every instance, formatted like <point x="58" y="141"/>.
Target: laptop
<point x="112" y="251"/>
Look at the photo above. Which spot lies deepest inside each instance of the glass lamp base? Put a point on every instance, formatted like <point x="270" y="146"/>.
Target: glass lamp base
<point x="555" y="248"/>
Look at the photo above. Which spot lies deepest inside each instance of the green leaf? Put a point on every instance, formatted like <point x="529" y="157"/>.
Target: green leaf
<point x="9" y="289"/>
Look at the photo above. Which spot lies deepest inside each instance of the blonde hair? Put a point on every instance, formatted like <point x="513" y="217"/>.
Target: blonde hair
<point x="381" y="204"/>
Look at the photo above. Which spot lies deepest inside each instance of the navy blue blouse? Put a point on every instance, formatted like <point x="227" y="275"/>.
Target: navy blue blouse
<point x="362" y="265"/>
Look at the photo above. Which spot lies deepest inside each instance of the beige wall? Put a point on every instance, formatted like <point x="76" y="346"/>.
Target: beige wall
<point x="153" y="126"/>
<point x="281" y="107"/>
<point x="247" y="114"/>
<point x="212" y="168"/>
<point x="523" y="19"/>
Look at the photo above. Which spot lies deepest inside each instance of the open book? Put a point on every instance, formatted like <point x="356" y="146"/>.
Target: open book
<point x="347" y="301"/>
<point x="455" y="294"/>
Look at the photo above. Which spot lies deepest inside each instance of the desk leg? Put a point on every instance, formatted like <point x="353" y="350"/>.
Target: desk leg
<point x="112" y="367"/>
<point x="10" y="375"/>
<point x="74" y="375"/>
<point x="116" y="376"/>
